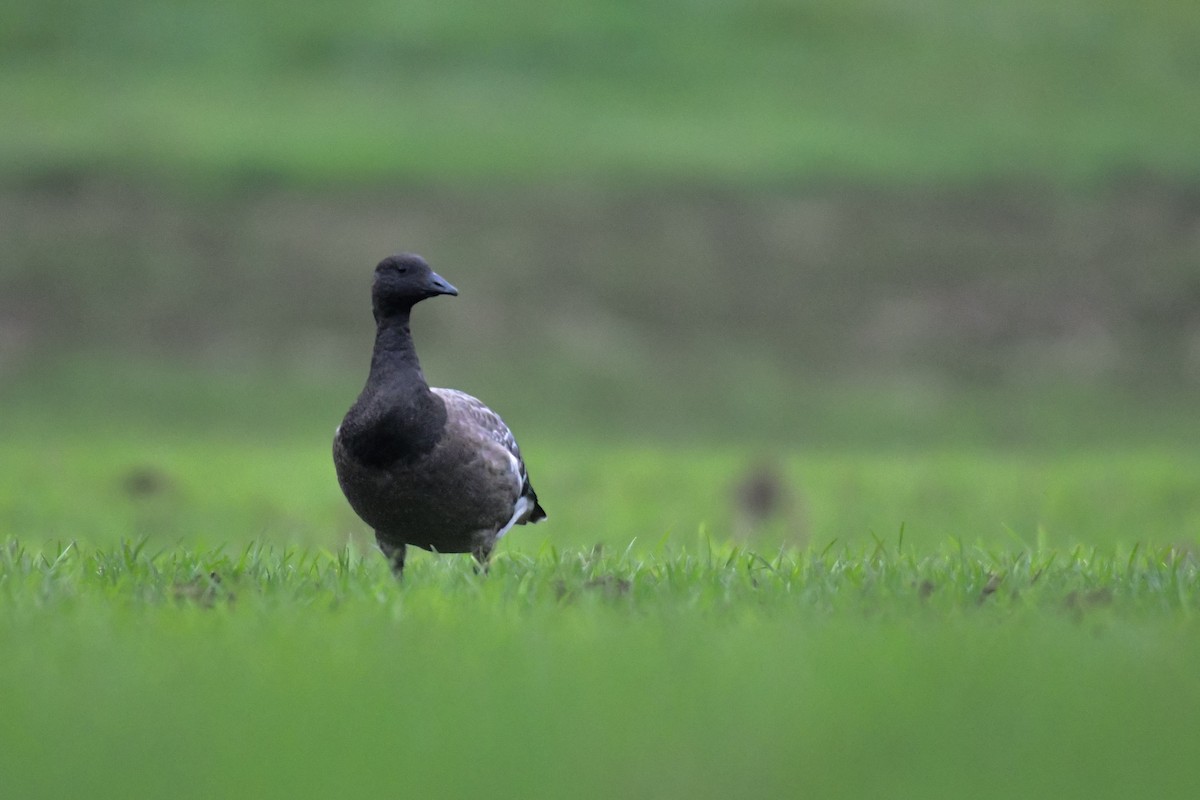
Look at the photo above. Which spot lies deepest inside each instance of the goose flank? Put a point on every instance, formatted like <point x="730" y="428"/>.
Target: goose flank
<point x="428" y="467"/>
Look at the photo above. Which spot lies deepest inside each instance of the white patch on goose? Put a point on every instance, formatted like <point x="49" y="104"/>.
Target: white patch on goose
<point x="514" y="464"/>
<point x="519" y="510"/>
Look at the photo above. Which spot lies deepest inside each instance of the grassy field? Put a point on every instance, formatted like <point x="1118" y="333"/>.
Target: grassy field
<point x="713" y="672"/>
<point x="103" y="451"/>
<point x="189" y="609"/>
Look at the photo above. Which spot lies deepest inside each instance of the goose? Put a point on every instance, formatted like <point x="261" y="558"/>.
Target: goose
<point x="428" y="467"/>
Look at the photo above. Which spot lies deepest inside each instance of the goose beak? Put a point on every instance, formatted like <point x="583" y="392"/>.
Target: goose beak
<point x="439" y="285"/>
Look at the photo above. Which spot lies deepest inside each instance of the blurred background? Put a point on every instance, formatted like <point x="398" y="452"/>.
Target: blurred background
<point x="767" y="225"/>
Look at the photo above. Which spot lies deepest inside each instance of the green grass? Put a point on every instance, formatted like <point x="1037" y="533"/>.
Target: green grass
<point x="714" y="673"/>
<point x="761" y="92"/>
<point x="189" y="609"/>
<point x="209" y="493"/>
<point x="101" y="452"/>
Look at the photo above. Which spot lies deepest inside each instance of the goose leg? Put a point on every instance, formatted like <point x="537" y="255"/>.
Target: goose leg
<point x="394" y="553"/>
<point x="482" y="554"/>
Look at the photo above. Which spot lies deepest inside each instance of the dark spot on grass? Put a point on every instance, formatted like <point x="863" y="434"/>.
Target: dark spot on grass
<point x="611" y="585"/>
<point x="761" y="493"/>
<point x="925" y="589"/>
<point x="145" y="481"/>
<point x="989" y="588"/>
<point x="1080" y="601"/>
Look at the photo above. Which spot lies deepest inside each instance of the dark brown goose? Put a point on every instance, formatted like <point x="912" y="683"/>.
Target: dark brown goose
<point x="434" y="468"/>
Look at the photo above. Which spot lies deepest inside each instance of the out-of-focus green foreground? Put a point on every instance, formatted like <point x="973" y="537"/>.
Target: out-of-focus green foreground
<point x="711" y="672"/>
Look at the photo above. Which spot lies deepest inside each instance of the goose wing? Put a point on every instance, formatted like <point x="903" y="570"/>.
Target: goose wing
<point x="493" y="430"/>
